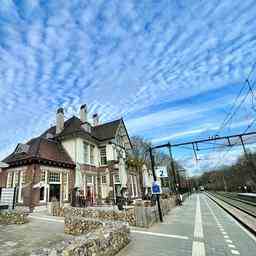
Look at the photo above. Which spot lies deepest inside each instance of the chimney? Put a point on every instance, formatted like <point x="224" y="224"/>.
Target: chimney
<point x="95" y="118"/>
<point x="83" y="113"/>
<point x="59" y="120"/>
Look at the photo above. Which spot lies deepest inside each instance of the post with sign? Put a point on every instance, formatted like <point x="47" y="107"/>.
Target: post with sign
<point x="176" y="185"/>
<point x="155" y="186"/>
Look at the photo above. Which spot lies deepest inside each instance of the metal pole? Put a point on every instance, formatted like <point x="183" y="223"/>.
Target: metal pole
<point x="169" y="180"/>
<point x="179" y="183"/>
<point x="242" y="142"/>
<point x="173" y="169"/>
<point x="154" y="176"/>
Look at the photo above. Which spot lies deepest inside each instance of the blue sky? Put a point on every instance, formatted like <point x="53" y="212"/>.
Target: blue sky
<point x="171" y="68"/>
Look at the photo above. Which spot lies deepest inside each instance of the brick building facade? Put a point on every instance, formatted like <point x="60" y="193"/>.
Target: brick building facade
<point x="74" y="154"/>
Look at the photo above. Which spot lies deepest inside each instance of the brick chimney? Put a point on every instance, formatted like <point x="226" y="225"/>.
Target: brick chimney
<point x="95" y="118"/>
<point x="83" y="113"/>
<point x="59" y="120"/>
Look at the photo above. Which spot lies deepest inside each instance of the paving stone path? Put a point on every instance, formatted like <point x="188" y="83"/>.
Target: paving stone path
<point x="198" y="228"/>
<point x="20" y="240"/>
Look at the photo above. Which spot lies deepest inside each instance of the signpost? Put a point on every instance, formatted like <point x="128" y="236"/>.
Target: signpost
<point x="155" y="180"/>
<point x="156" y="188"/>
<point x="161" y="172"/>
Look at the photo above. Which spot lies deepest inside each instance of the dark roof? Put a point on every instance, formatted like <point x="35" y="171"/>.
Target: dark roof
<point x="42" y="148"/>
<point x="107" y="130"/>
<point x="99" y="133"/>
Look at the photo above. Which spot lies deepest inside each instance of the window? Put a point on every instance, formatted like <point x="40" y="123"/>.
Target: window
<point x="23" y="178"/>
<point x="54" y="177"/>
<point x="65" y="185"/>
<point x="103" y="156"/>
<point x="91" y="154"/>
<point x="9" y="179"/>
<point x="15" y="179"/>
<point x="131" y="185"/>
<point x="22" y="183"/>
<point x="42" y="194"/>
<point x="86" y="152"/>
<point x="117" y="179"/>
<point x="104" y="179"/>
<point x="135" y="186"/>
<point x="42" y="177"/>
<point x="89" y="179"/>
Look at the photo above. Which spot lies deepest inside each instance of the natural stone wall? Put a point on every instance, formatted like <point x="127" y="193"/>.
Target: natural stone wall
<point x="141" y="215"/>
<point x="147" y="215"/>
<point x="79" y="225"/>
<point x="102" y="214"/>
<point x="13" y="217"/>
<point x="105" y="241"/>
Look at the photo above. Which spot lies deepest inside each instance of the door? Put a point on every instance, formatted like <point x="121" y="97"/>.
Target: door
<point x="54" y="192"/>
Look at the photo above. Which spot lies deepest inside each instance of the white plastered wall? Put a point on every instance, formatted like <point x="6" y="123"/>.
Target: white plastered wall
<point x="75" y="149"/>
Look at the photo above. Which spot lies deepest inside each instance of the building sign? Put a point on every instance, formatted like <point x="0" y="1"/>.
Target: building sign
<point x="161" y="172"/>
<point x="8" y="197"/>
<point x="156" y="188"/>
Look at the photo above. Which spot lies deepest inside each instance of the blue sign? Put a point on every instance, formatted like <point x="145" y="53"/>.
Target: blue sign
<point x="156" y="189"/>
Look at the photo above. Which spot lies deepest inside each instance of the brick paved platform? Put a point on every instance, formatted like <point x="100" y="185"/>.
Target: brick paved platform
<point x="199" y="227"/>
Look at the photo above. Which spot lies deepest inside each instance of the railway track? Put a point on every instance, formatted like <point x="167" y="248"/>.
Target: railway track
<point x="240" y="204"/>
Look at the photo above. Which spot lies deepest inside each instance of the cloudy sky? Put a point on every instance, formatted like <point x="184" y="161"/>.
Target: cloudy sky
<point x="172" y="68"/>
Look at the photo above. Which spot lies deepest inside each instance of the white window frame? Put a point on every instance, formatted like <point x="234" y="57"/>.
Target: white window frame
<point x="66" y="188"/>
<point x="117" y="180"/>
<point x="9" y="179"/>
<point x="54" y="182"/>
<point x="92" y="154"/>
<point x="103" y="156"/>
<point x="132" y="185"/>
<point x="86" y="147"/>
<point x="45" y="186"/>
<point x="135" y="186"/>
<point x="105" y="179"/>
<point x="89" y="183"/>
<point x="22" y="175"/>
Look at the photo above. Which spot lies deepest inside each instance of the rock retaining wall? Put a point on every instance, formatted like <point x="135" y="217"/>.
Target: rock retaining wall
<point x="147" y="215"/>
<point x="79" y="225"/>
<point x="105" y="241"/>
<point x="13" y="217"/>
<point x="102" y="214"/>
<point x="141" y="215"/>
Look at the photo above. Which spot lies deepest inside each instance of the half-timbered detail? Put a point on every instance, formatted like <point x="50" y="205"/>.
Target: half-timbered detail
<point x="77" y="156"/>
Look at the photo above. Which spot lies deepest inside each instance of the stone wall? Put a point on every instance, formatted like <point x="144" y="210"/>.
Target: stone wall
<point x="141" y="215"/>
<point x="147" y="215"/>
<point x="79" y="225"/>
<point x="105" y="241"/>
<point x="102" y="214"/>
<point x="13" y="217"/>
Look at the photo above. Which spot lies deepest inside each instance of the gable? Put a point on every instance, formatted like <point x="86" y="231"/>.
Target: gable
<point x="122" y="134"/>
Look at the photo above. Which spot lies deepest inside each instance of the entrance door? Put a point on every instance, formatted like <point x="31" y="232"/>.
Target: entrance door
<point x="54" y="192"/>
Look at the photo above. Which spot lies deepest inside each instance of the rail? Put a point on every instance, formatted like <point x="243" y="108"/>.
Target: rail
<point x="242" y="205"/>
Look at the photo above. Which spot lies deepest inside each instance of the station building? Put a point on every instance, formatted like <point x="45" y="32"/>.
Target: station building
<point x="72" y="155"/>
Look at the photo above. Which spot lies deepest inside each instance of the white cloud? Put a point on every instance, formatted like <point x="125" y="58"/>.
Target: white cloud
<point x="123" y="59"/>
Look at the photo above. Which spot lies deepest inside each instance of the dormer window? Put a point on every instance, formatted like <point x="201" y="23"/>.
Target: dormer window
<point x="22" y="148"/>
<point x="49" y="136"/>
<point x="87" y="127"/>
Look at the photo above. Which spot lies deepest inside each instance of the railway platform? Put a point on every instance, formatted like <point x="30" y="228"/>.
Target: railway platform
<point x="199" y="227"/>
